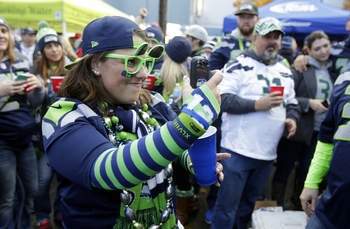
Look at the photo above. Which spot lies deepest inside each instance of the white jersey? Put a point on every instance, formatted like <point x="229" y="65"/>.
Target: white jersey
<point x="255" y="134"/>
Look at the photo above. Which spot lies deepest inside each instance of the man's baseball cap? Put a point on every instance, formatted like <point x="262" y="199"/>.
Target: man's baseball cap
<point x="198" y="32"/>
<point x="267" y="25"/>
<point x="247" y="8"/>
<point x="154" y="32"/>
<point x="28" y="31"/>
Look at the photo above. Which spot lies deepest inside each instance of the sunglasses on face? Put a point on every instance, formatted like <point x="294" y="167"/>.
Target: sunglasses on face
<point x="133" y="64"/>
<point x="144" y="57"/>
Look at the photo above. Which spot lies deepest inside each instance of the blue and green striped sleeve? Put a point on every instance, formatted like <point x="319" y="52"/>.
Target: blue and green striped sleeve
<point x="141" y="159"/>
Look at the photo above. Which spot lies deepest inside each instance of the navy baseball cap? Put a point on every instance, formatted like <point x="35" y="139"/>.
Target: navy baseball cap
<point x="107" y="34"/>
<point x="155" y="32"/>
<point x="28" y="30"/>
<point x="247" y="9"/>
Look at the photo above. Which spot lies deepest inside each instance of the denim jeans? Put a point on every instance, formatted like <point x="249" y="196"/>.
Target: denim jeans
<point x="42" y="202"/>
<point x="314" y="223"/>
<point x="20" y="162"/>
<point x="244" y="182"/>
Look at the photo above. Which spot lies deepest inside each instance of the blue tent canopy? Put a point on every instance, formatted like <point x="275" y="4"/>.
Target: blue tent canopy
<point x="300" y="18"/>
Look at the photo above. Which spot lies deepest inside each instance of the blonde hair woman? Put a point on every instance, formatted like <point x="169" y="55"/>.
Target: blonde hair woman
<point x="174" y="71"/>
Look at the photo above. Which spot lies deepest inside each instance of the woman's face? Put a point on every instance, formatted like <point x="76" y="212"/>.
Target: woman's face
<point x="4" y="38"/>
<point x="121" y="89"/>
<point x="320" y="49"/>
<point x="53" y="52"/>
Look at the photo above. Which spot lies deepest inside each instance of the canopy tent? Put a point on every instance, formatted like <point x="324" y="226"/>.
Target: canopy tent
<point x="300" y="18"/>
<point x="62" y="15"/>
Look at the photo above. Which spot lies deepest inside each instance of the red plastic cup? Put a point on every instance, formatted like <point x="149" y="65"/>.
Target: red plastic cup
<point x="56" y="82"/>
<point x="149" y="82"/>
<point x="279" y="89"/>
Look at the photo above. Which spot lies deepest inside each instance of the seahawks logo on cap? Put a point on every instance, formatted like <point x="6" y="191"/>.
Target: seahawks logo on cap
<point x="94" y="44"/>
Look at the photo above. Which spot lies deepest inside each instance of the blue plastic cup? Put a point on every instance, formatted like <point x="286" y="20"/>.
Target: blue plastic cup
<point x="203" y="157"/>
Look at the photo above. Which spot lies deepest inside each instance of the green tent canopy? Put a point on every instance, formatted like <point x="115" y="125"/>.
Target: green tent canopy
<point x="62" y="15"/>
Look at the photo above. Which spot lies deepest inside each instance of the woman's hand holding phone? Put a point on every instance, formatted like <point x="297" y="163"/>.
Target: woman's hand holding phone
<point x="29" y="82"/>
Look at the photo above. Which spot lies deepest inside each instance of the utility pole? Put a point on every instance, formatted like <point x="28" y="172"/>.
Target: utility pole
<point x="163" y="6"/>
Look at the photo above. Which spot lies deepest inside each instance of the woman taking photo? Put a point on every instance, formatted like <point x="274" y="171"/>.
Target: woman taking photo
<point x="20" y="93"/>
<point x="111" y="156"/>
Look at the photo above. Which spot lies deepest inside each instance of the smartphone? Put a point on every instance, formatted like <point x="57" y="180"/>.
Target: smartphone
<point x="325" y="103"/>
<point x="199" y="72"/>
<point x="21" y="76"/>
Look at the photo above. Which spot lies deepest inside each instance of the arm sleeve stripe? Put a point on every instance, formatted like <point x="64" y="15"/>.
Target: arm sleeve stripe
<point x="103" y="179"/>
<point x="137" y="160"/>
<point x="132" y="167"/>
<point x="178" y="139"/>
<point x="170" y="142"/>
<point x="146" y="156"/>
<point x="116" y="168"/>
<point x="104" y="172"/>
<point x="97" y="171"/>
<point x="124" y="170"/>
<point x="154" y="153"/>
<point x="157" y="139"/>
<point x="110" y="168"/>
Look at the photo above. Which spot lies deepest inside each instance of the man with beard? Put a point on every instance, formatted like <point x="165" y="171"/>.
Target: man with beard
<point x="253" y="121"/>
<point x="240" y="38"/>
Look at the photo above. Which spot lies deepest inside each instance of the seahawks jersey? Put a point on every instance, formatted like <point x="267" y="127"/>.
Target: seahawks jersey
<point x="97" y="157"/>
<point x="255" y="134"/>
<point x="16" y="121"/>
<point x="334" y="206"/>
<point x="230" y="48"/>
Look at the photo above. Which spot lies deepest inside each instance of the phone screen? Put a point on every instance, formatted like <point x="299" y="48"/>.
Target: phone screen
<point x="21" y="76"/>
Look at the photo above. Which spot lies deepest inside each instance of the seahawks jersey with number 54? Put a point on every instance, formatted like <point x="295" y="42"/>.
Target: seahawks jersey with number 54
<point x="255" y="134"/>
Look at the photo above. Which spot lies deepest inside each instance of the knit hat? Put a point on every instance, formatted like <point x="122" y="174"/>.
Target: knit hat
<point x="267" y="25"/>
<point x="178" y="49"/>
<point x="4" y="22"/>
<point x="46" y="35"/>
<point x="43" y="24"/>
<point x="198" y="32"/>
